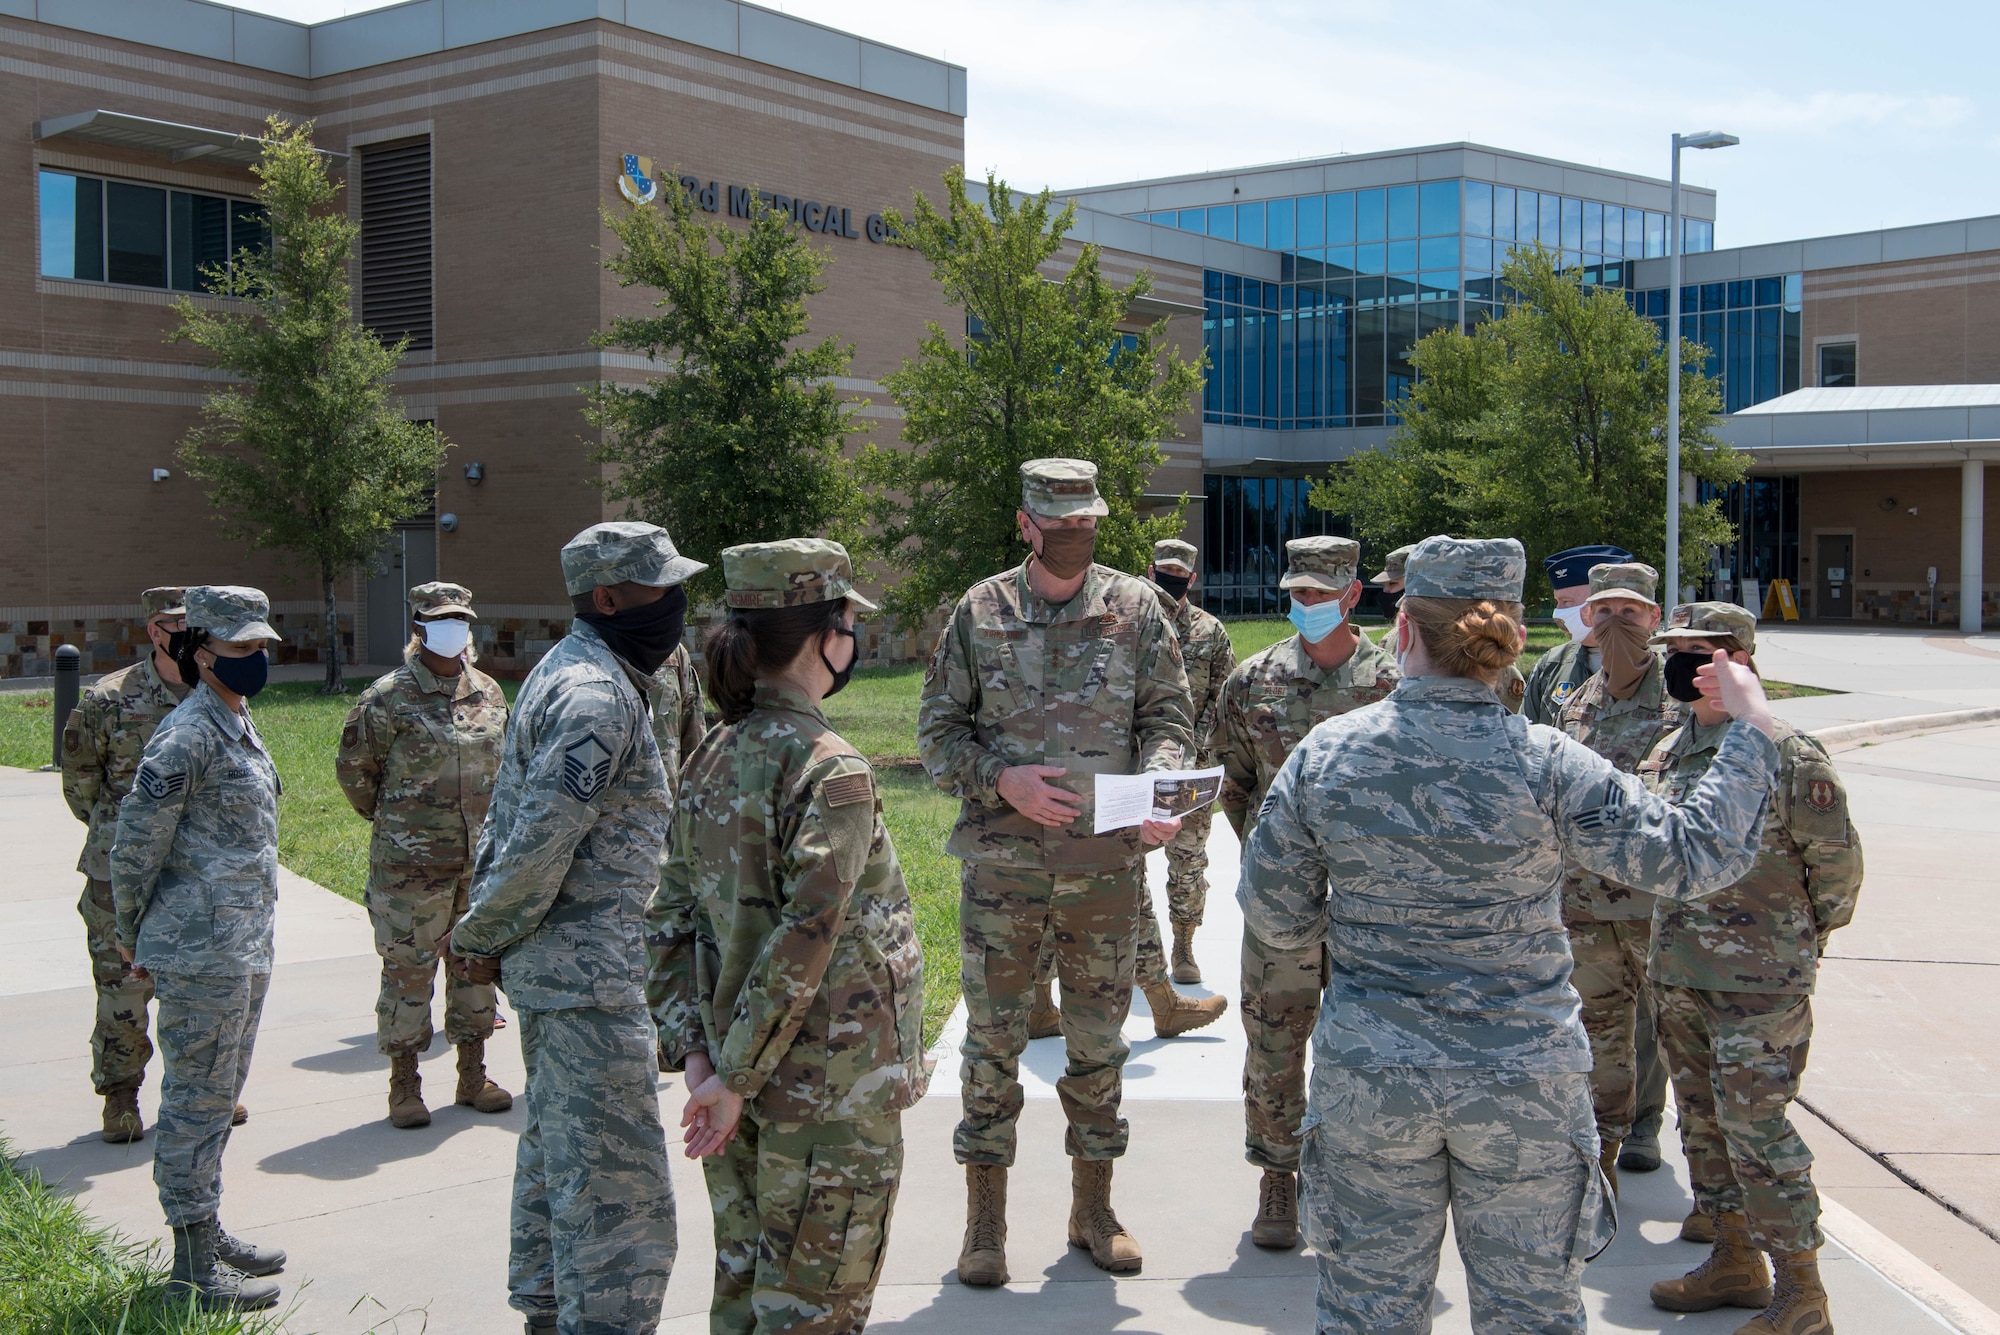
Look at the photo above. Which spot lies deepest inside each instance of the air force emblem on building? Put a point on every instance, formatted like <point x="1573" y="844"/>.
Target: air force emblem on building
<point x="586" y="768"/>
<point x="157" y="784"/>
<point x="635" y="179"/>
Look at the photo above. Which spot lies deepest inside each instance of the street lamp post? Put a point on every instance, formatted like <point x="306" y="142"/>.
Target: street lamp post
<point x="1705" y="139"/>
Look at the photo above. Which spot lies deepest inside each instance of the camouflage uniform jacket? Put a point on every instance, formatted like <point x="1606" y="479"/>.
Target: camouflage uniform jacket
<point x="782" y="940"/>
<point x="1273" y="700"/>
<point x="674" y="697"/>
<point x="1094" y="685"/>
<point x="1424" y="840"/>
<point x="417" y="756"/>
<point x="1209" y="658"/>
<point x="1556" y="675"/>
<point x="1624" y="732"/>
<point x="571" y="849"/>
<point x="1765" y="932"/>
<point x="194" y="864"/>
<point x="102" y="741"/>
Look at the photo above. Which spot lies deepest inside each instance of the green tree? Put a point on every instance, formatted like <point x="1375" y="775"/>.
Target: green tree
<point x="740" y="441"/>
<point x="1046" y="371"/>
<point x="1547" y="425"/>
<point x="306" y="453"/>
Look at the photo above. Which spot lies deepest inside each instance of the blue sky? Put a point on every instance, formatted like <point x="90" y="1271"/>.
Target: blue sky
<point x="1853" y="116"/>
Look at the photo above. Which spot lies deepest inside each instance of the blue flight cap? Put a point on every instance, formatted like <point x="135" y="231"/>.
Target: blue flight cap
<point x="1571" y="569"/>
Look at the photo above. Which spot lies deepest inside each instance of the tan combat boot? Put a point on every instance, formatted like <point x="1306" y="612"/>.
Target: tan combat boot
<point x="1698" y="1227"/>
<point x="474" y="1089"/>
<point x="1734" y="1275"/>
<point x="1044" y="1020"/>
<point x="406" y="1093"/>
<point x="122" y="1123"/>
<point x="982" y="1260"/>
<point x="1185" y="969"/>
<point x="239" y="1115"/>
<point x="1607" y="1159"/>
<point x="1277" y="1223"/>
<point x="1092" y="1223"/>
<point x="1798" y="1307"/>
<point x="1175" y="1014"/>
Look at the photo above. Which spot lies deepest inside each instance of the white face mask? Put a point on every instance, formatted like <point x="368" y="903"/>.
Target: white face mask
<point x="1572" y="621"/>
<point x="447" y="638"/>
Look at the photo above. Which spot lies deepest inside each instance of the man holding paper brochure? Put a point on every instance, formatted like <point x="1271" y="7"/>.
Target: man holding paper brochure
<point x="1047" y="675"/>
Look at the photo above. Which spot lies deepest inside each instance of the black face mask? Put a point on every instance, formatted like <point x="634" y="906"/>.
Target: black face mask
<point x="1175" y="585"/>
<point x="176" y="643"/>
<point x="1390" y="602"/>
<point x="1680" y="669"/>
<point x="644" y="636"/>
<point x="841" y="676"/>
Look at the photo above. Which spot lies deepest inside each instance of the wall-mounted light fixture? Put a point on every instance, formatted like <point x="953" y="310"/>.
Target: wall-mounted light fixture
<point x="1913" y="509"/>
<point x="448" y="522"/>
<point x="475" y="473"/>
<point x="161" y="475"/>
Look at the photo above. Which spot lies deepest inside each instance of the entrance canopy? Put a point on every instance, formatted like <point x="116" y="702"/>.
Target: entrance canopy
<point x="1875" y="426"/>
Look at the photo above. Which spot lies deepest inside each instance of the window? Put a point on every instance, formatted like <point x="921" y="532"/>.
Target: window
<point x="1836" y="365"/>
<point x="1437" y="207"/>
<point x="1402" y="212"/>
<point x="142" y="235"/>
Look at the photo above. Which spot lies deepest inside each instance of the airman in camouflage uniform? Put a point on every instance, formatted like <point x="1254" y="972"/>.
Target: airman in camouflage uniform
<point x="194" y="884"/>
<point x="1210" y="658"/>
<point x="1422" y="841"/>
<point x="1512" y="686"/>
<point x="1032" y="697"/>
<point x="567" y="861"/>
<point x="674" y="699"/>
<point x="1566" y="667"/>
<point x="102" y="741"/>
<point x="784" y="953"/>
<point x="1734" y="976"/>
<point x="417" y="757"/>
<point x="1610" y="925"/>
<point x="1268" y="706"/>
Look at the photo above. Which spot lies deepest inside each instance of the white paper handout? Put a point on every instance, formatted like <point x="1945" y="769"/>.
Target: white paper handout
<point x="1125" y="800"/>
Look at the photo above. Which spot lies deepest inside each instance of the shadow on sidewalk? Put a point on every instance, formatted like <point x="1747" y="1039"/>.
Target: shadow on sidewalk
<point x="360" y="1150"/>
<point x="355" y="1056"/>
<point x="79" y="1166"/>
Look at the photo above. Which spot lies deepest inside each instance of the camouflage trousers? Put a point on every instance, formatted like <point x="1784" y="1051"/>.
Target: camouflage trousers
<point x="1628" y="1081"/>
<point x="593" y="1235"/>
<point x="801" y="1223"/>
<point x="1512" y="1156"/>
<point x="1187" y="867"/>
<point x="1281" y="994"/>
<point x="119" y="1047"/>
<point x="411" y="909"/>
<point x="208" y="1027"/>
<point x="1737" y="1058"/>
<point x="1004" y="914"/>
<point x="1149" y="956"/>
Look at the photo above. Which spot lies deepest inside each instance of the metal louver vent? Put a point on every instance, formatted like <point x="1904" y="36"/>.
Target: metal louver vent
<point x="396" y="240"/>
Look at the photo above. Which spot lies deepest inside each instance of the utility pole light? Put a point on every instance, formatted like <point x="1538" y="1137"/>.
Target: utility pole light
<point x="1704" y="139"/>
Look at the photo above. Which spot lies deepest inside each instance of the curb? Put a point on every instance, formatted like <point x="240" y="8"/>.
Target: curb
<point x="1843" y="736"/>
<point x="1905" y="1271"/>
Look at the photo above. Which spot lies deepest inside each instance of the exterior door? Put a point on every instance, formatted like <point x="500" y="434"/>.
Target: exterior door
<point x="1836" y="577"/>
<point x="408" y="558"/>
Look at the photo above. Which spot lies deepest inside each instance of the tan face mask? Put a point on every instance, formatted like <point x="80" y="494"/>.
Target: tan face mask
<point x="1626" y="657"/>
<point x="1066" y="552"/>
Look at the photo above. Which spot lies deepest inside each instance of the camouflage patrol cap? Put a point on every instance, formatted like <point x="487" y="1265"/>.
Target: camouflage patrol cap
<point x="166" y="601"/>
<point x="1627" y="579"/>
<point x="1710" y="621"/>
<point x="1174" y="552"/>
<point x="1321" y="563"/>
<point x="791" y="573"/>
<point x="1446" y="567"/>
<point x="1059" y="488"/>
<point x="441" y="599"/>
<point x="230" y="612"/>
<point x="621" y="552"/>
<point x="1393" y="564"/>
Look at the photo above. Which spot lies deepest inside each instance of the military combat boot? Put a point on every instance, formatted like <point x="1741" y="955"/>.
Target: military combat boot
<point x="1798" y="1307"/>
<point x="475" y="1090"/>
<point x="1175" y="1014"/>
<point x="1734" y="1275"/>
<point x="215" y="1284"/>
<point x="1698" y="1226"/>
<point x="1641" y="1151"/>
<point x="1092" y="1223"/>
<point x="541" y="1323"/>
<point x="1277" y="1222"/>
<point x="1185" y="969"/>
<point x="122" y="1123"/>
<point x="982" y="1261"/>
<point x="1044" y="1020"/>
<point x="239" y="1115"/>
<point x="406" y="1093"/>
<point x="1607" y="1159"/>
<point x="246" y="1256"/>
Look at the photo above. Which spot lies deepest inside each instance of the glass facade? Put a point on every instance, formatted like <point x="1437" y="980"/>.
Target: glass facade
<point x="1750" y="327"/>
<point x="107" y="231"/>
<point x="1246" y="522"/>
<point x="1765" y="511"/>
<point x="1366" y="273"/>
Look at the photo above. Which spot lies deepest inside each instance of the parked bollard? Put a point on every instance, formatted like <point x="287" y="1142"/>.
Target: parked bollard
<point x="69" y="677"/>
